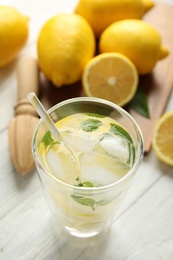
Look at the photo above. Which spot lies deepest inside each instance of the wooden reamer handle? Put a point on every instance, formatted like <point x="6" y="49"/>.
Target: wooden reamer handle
<point x="28" y="81"/>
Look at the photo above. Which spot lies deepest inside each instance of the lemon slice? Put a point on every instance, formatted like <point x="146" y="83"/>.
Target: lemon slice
<point x="111" y="76"/>
<point x="162" y="138"/>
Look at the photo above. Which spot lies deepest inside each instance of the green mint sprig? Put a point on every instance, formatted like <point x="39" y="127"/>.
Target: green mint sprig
<point x="48" y="141"/>
<point x="83" y="184"/>
<point x="118" y="130"/>
<point x="94" y="115"/>
<point x="93" y="204"/>
<point x="90" y="125"/>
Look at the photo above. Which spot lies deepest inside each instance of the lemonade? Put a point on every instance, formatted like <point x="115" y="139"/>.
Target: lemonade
<point x="94" y="151"/>
<point x="86" y="172"/>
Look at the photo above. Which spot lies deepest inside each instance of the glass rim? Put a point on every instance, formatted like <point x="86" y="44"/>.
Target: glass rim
<point x="101" y="101"/>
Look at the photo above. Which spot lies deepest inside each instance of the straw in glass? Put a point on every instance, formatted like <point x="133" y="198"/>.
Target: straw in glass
<point x="43" y="114"/>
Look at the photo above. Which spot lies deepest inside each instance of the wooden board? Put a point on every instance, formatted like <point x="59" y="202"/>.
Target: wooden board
<point x="157" y="85"/>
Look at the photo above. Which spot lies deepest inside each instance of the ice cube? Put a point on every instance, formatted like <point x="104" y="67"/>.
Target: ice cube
<point x="78" y="143"/>
<point x="101" y="169"/>
<point x="62" y="164"/>
<point x="55" y="164"/>
<point x="114" y="146"/>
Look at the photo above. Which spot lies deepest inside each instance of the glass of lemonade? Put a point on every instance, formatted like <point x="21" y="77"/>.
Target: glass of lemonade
<point x="87" y="171"/>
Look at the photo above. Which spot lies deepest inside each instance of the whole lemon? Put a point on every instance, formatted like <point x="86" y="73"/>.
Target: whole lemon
<point x="137" y="40"/>
<point x="13" y="33"/>
<point x="100" y="14"/>
<point x="65" y="44"/>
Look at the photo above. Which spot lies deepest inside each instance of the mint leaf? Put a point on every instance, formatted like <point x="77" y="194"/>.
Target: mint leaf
<point x="90" y="125"/>
<point x="48" y="140"/>
<point x="102" y="202"/>
<point x="89" y="202"/>
<point x="94" y="115"/>
<point x="140" y="104"/>
<point x="83" y="184"/>
<point x="88" y="184"/>
<point x="84" y="201"/>
<point x="118" y="130"/>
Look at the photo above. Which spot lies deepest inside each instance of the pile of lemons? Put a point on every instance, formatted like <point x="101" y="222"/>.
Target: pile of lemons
<point x="105" y="44"/>
<point x="68" y="43"/>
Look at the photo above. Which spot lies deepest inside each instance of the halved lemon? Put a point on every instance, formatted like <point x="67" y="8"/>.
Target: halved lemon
<point x="111" y="76"/>
<point x="162" y="138"/>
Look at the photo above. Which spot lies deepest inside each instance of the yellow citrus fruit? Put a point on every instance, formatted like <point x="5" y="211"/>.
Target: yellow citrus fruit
<point x="65" y="44"/>
<point x="100" y="14"/>
<point x="136" y="39"/>
<point x="162" y="138"/>
<point x="13" y="33"/>
<point x="110" y="76"/>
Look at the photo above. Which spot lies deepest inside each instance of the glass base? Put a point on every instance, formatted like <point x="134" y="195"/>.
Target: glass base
<point x="81" y="234"/>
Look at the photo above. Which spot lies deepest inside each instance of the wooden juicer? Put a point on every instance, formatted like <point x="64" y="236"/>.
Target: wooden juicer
<point x="22" y="126"/>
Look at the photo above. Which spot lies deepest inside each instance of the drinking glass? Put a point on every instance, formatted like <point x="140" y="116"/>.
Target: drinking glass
<point x="86" y="211"/>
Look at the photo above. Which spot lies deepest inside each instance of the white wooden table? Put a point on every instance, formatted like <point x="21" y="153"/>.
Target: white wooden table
<point x="144" y="226"/>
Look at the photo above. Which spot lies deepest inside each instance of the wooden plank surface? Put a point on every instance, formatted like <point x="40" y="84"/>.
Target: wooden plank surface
<point x="157" y="85"/>
<point x="144" y="227"/>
